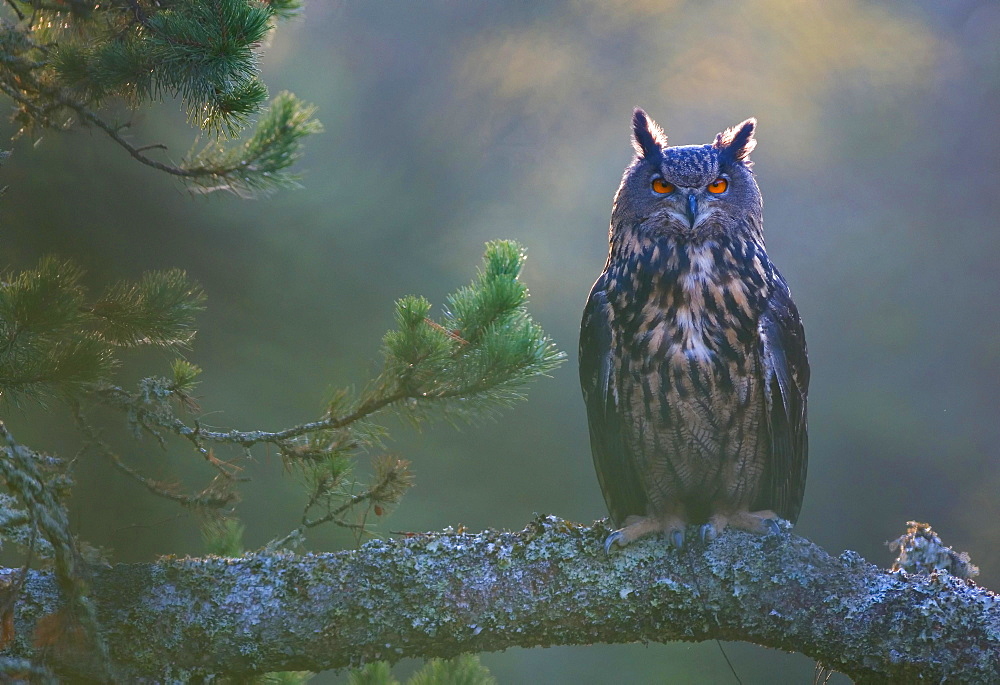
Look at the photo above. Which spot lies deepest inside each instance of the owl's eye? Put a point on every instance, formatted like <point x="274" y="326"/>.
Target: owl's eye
<point x="662" y="187"/>
<point x="718" y="186"/>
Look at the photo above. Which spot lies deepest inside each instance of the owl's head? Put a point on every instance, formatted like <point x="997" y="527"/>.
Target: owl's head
<point x="692" y="192"/>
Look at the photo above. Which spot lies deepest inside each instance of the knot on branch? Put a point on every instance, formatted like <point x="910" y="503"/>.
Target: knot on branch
<point x="921" y="551"/>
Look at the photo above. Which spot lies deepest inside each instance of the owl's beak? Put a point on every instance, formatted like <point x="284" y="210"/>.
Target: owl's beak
<point x="692" y="209"/>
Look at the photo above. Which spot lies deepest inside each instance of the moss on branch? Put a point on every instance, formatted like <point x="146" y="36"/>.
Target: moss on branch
<point x="439" y="595"/>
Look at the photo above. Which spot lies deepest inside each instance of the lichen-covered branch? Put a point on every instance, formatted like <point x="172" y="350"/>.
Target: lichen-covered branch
<point x="444" y="594"/>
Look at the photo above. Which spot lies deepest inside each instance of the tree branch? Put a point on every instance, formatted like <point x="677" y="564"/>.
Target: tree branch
<point x="444" y="594"/>
<point x="218" y="494"/>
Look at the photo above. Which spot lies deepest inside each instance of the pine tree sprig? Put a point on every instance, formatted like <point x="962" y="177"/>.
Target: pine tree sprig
<point x="53" y="343"/>
<point x="56" y="65"/>
<point x="465" y="669"/>
<point x="472" y="362"/>
<point x="184" y="376"/>
<point x="374" y="673"/>
<point x="205" y="52"/>
<point x="159" y="310"/>
<point x="480" y="355"/>
<point x="390" y="482"/>
<point x="427" y="367"/>
<point x="259" y="166"/>
<point x="285" y="9"/>
<point x="223" y="536"/>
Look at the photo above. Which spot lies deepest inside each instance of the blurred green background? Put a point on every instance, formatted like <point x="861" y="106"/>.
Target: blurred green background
<point x="449" y="124"/>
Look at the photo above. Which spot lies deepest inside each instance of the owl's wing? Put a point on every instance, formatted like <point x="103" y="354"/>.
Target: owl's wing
<point x="614" y="462"/>
<point x="786" y="384"/>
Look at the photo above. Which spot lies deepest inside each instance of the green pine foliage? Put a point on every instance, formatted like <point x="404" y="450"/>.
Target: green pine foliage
<point x="473" y="361"/>
<point x="55" y="342"/>
<point x="58" y="341"/>
<point x="259" y="165"/>
<point x="462" y="670"/>
<point x="202" y="52"/>
<point x="184" y="376"/>
<point x="375" y="673"/>
<point x="223" y="537"/>
<point x="63" y="61"/>
<point x="480" y="354"/>
<point x="158" y="310"/>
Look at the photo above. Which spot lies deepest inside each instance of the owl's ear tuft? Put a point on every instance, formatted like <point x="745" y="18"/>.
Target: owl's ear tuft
<point x="736" y="143"/>
<point x="648" y="138"/>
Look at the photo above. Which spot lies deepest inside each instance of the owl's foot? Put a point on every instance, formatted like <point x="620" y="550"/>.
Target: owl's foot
<point x="616" y="539"/>
<point x="707" y="533"/>
<point x="759" y="522"/>
<point x="639" y="526"/>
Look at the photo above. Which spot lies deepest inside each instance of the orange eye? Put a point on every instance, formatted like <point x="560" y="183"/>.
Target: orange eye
<point x="719" y="185"/>
<point x="662" y="187"/>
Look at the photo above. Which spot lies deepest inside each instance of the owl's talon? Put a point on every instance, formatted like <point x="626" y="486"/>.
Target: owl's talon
<point x="677" y="539"/>
<point x="772" y="527"/>
<point x="708" y="533"/>
<point x="615" y="539"/>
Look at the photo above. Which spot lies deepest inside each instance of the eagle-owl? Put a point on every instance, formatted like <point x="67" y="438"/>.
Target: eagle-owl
<point x="692" y="355"/>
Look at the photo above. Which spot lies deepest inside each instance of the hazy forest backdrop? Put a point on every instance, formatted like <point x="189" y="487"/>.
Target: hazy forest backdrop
<point x="450" y="124"/>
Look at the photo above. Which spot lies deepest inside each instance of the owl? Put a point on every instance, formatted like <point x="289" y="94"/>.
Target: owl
<point x="692" y="354"/>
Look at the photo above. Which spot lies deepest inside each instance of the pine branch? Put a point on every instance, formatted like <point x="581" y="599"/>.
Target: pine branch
<point x="257" y="167"/>
<point x="439" y="595"/>
<point x="217" y="495"/>
<point x="392" y="481"/>
<point x="485" y="351"/>
<point x="72" y="57"/>
<point x="54" y="343"/>
<point x="260" y="165"/>
<point x="113" y="132"/>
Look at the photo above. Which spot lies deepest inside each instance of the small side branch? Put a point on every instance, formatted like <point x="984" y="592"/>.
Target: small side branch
<point x="122" y="399"/>
<point x="217" y="495"/>
<point x="17" y="10"/>
<point x="136" y="152"/>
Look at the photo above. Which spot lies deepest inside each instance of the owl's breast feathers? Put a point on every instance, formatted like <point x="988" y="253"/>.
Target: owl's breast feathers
<point x="685" y="364"/>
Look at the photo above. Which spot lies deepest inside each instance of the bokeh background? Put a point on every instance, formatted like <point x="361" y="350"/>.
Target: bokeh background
<point x="450" y="124"/>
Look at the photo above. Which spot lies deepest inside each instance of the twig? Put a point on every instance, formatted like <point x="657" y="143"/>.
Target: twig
<point x="334" y="513"/>
<point x="209" y="497"/>
<point x="17" y="10"/>
<point x="152" y="146"/>
<point x="121" y="398"/>
<point x="251" y="438"/>
<point x="136" y="152"/>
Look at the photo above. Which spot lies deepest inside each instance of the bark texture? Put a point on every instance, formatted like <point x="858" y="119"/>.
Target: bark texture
<point x="550" y="584"/>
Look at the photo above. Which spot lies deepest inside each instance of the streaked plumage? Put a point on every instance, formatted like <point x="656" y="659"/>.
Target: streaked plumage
<point x="692" y="356"/>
